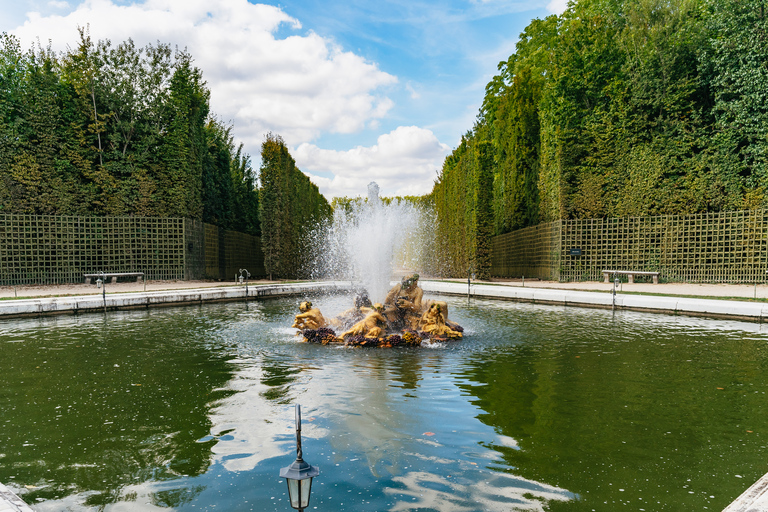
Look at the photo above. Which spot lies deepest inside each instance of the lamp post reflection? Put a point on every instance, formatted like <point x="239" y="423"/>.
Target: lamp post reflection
<point x="299" y="475"/>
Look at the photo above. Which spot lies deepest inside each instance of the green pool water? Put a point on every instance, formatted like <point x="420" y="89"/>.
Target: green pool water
<point x="538" y="408"/>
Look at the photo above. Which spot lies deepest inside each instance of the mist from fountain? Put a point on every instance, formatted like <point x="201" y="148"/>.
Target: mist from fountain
<point x="371" y="241"/>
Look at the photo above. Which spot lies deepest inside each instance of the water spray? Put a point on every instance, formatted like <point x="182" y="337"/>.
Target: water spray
<point x="367" y="240"/>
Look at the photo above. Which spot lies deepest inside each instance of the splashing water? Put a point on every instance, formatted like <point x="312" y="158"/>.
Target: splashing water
<point x="370" y="242"/>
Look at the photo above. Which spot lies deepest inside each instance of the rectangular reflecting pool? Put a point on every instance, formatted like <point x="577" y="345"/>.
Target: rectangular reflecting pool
<point x="538" y="409"/>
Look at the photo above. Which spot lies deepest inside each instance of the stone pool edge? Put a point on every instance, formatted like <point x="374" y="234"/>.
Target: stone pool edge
<point x="10" y="502"/>
<point x="670" y="305"/>
<point x="711" y="308"/>
<point x="163" y="298"/>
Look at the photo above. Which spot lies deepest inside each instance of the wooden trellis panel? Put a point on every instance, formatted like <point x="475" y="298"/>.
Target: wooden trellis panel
<point x="722" y="247"/>
<point x="212" y="252"/>
<point x="194" y="238"/>
<point x="60" y="249"/>
<point x="532" y="252"/>
<point x="243" y="251"/>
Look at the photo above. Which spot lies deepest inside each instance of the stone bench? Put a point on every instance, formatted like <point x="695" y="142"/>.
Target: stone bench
<point x="113" y="276"/>
<point x="630" y="275"/>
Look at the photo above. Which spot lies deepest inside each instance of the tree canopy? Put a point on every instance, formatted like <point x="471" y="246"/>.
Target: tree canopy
<point x="615" y="108"/>
<point x="291" y="206"/>
<point x="105" y="129"/>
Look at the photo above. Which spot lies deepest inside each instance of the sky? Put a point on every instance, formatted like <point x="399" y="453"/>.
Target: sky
<point x="360" y="91"/>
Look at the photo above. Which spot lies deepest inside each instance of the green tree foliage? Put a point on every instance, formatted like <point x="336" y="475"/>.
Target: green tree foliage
<point x="347" y="202"/>
<point x="117" y="130"/>
<point x="463" y="234"/>
<point x="38" y="148"/>
<point x="245" y="199"/>
<point x="289" y="205"/>
<point x="736" y="65"/>
<point x="617" y="108"/>
<point x="230" y="195"/>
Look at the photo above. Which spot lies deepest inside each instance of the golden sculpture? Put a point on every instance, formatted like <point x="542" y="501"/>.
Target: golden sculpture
<point x="433" y="322"/>
<point x="353" y="315"/>
<point x="403" y="320"/>
<point x="372" y="326"/>
<point x="403" y="303"/>
<point x="309" y="318"/>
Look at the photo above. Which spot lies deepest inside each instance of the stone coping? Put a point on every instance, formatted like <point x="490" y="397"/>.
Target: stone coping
<point x="729" y="309"/>
<point x="754" y="499"/>
<point x="9" y="502"/>
<point x="139" y="300"/>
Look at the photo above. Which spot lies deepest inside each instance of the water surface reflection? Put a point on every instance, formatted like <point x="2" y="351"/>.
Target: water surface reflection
<point x="92" y="405"/>
<point x="540" y="408"/>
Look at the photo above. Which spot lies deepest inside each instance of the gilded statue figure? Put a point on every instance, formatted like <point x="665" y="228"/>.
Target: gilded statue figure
<point x="433" y="321"/>
<point x="309" y="318"/>
<point x="372" y="326"/>
<point x="403" y="303"/>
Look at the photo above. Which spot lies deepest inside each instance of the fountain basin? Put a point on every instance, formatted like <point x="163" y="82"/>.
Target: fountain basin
<point x="540" y="408"/>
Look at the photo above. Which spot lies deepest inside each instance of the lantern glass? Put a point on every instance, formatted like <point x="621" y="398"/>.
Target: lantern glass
<point x="293" y="491"/>
<point x="298" y="492"/>
<point x="305" y="486"/>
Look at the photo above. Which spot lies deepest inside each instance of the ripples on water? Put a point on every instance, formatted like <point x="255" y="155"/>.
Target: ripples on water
<point x="539" y="408"/>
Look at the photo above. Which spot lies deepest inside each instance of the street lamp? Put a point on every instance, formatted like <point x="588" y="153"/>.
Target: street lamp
<point x="247" y="274"/>
<point x="102" y="283"/>
<point x="299" y="474"/>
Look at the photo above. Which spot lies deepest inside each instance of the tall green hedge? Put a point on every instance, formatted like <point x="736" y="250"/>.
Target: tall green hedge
<point x="463" y="233"/>
<point x="290" y="206"/>
<point x="105" y="129"/>
<point x="617" y="108"/>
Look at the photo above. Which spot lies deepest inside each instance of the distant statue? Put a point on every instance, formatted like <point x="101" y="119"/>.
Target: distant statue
<point x="373" y="193"/>
<point x="309" y="318"/>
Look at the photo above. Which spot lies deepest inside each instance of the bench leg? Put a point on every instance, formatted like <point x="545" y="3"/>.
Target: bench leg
<point x="606" y="278"/>
<point x="87" y="280"/>
<point x="139" y="279"/>
<point x="631" y="278"/>
<point x="113" y="279"/>
<point x="655" y="279"/>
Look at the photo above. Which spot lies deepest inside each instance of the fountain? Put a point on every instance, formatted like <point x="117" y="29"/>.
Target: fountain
<point x="362" y="244"/>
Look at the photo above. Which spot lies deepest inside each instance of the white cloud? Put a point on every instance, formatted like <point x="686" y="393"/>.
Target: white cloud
<point x="403" y="162"/>
<point x="557" y="6"/>
<point x="299" y="86"/>
<point x="414" y="94"/>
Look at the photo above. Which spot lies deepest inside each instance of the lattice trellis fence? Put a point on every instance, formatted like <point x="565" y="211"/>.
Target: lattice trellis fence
<point x="531" y="252"/>
<point x="711" y="247"/>
<point x="60" y="249"/>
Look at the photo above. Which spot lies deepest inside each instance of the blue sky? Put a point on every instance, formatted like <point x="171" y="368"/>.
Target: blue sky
<point x="361" y="91"/>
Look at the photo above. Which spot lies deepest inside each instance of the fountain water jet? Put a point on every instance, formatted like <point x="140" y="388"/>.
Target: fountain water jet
<point x="367" y="239"/>
<point x="364" y="243"/>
